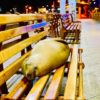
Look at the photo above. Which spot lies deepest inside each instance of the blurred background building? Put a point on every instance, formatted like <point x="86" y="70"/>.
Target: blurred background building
<point x="83" y="7"/>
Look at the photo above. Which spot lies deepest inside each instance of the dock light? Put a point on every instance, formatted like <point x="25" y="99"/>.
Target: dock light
<point x="0" y="8"/>
<point x="58" y="1"/>
<point x="30" y="7"/>
<point x="82" y="2"/>
<point x="94" y="2"/>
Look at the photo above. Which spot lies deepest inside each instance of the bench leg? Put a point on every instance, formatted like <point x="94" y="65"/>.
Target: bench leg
<point x="77" y="35"/>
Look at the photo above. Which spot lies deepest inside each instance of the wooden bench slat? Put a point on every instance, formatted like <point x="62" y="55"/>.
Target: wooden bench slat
<point x="42" y="98"/>
<point x="10" y="43"/>
<point x="72" y="28"/>
<point x="66" y="25"/>
<point x="70" y="89"/>
<point x="11" y="83"/>
<point x="11" y="69"/>
<point x="18" y="89"/>
<point x="37" y="89"/>
<point x="59" y="98"/>
<point x="54" y="87"/>
<point x="4" y="55"/>
<point x="14" y="18"/>
<point x="75" y="28"/>
<point x="68" y="28"/>
<point x="8" y="34"/>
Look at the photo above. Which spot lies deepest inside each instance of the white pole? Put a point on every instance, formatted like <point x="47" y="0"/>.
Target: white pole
<point x="72" y="8"/>
<point x="62" y="6"/>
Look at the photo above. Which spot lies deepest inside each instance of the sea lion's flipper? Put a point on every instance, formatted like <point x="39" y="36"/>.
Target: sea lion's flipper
<point x="60" y="40"/>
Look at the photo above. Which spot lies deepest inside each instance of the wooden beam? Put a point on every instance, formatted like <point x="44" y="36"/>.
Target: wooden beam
<point x="4" y="55"/>
<point x="8" y="34"/>
<point x="14" y="18"/>
<point x="55" y="84"/>
<point x="70" y="89"/>
<point x="37" y="89"/>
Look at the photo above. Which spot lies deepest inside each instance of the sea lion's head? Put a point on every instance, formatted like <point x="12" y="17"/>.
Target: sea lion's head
<point x="28" y="69"/>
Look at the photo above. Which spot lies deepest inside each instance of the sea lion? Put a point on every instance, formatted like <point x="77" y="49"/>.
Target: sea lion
<point x="48" y="54"/>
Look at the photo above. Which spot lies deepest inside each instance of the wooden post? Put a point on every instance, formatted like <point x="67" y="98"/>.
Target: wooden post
<point x="81" y="65"/>
<point x="24" y="36"/>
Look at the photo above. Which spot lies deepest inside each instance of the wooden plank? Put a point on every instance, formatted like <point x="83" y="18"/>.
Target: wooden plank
<point x="59" y="98"/>
<point x="37" y="89"/>
<point x="14" y="18"/>
<point x="68" y="28"/>
<point x="13" y="80"/>
<point x="4" y="55"/>
<point x="54" y="87"/>
<point x="42" y="98"/>
<point x="8" y="34"/>
<point x="18" y="89"/>
<point x="10" y="43"/>
<point x="70" y="89"/>
<point x="72" y="28"/>
<point x="75" y="27"/>
<point x="11" y="69"/>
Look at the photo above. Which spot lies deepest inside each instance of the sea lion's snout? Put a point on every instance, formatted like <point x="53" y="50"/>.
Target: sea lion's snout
<point x="29" y="76"/>
<point x="28" y="70"/>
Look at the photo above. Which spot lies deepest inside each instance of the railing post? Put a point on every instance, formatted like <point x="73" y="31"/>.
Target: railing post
<point x="24" y="36"/>
<point x="81" y="66"/>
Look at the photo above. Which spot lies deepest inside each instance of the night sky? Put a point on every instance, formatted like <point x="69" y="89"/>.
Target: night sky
<point x="6" y="5"/>
<point x="94" y="4"/>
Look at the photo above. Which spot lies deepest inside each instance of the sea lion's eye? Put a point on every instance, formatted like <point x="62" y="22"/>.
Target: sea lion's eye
<point x="28" y="75"/>
<point x="28" y="64"/>
<point x="35" y="68"/>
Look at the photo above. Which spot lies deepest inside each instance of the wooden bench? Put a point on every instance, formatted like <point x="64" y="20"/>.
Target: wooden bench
<point x="53" y="19"/>
<point x="46" y="87"/>
<point x="73" y="28"/>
